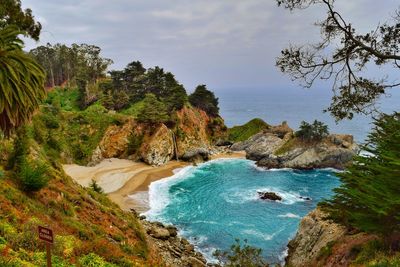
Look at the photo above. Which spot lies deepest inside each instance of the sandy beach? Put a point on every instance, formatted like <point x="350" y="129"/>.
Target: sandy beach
<point x="127" y="182"/>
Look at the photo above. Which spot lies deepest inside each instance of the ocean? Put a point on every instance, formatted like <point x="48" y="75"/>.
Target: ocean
<point x="216" y="202"/>
<point x="238" y="106"/>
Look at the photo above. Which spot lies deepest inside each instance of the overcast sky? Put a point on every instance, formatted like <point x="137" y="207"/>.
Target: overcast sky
<point x="221" y="43"/>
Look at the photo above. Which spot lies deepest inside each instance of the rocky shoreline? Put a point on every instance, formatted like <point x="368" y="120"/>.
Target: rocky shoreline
<point x="274" y="147"/>
<point x="278" y="147"/>
<point x="175" y="250"/>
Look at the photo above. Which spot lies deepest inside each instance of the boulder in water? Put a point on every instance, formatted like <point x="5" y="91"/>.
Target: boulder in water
<point x="269" y="196"/>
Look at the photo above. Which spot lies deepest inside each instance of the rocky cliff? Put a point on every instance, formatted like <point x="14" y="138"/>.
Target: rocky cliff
<point x="189" y="139"/>
<point x="314" y="234"/>
<point x="277" y="147"/>
<point x="322" y="242"/>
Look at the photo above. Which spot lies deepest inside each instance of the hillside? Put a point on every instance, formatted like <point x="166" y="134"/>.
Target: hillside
<point x="245" y="131"/>
<point x="90" y="230"/>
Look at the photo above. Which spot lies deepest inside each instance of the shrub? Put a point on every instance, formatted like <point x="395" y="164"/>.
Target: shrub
<point x="94" y="260"/>
<point x="50" y="121"/>
<point x="32" y="176"/>
<point x="241" y="256"/>
<point x="93" y="185"/>
<point x="312" y="132"/>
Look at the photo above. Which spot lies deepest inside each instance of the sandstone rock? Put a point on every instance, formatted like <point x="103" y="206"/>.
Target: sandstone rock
<point x="159" y="233"/>
<point x="173" y="231"/>
<point x="194" y="262"/>
<point x="192" y="130"/>
<point x="159" y="149"/>
<point x="114" y="142"/>
<point x="223" y="142"/>
<point x="269" y="196"/>
<point x="314" y="233"/>
<point x="196" y="155"/>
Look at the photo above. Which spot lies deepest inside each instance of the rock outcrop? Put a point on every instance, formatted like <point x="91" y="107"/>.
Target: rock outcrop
<point x="174" y="250"/>
<point x="277" y="147"/>
<point x="192" y="134"/>
<point x="197" y="155"/>
<point x="315" y="232"/>
<point x="322" y="242"/>
<point x="269" y="196"/>
<point x="190" y="139"/>
<point x="159" y="148"/>
<point x="114" y="142"/>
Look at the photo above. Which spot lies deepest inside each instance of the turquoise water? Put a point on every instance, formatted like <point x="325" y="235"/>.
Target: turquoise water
<point x="216" y="202"/>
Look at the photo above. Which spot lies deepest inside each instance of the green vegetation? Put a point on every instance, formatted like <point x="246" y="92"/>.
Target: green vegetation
<point x="245" y="131"/>
<point x="32" y="175"/>
<point x="11" y="13"/>
<point x="369" y="197"/>
<point x="326" y="251"/>
<point x="95" y="187"/>
<point x="241" y="255"/>
<point x="80" y="220"/>
<point x="312" y="132"/>
<point x="204" y="99"/>
<point x="153" y="111"/>
<point x="65" y="98"/>
<point x="72" y="65"/>
<point x="21" y="85"/>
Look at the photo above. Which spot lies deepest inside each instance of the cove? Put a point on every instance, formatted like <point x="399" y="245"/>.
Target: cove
<point x="216" y="202"/>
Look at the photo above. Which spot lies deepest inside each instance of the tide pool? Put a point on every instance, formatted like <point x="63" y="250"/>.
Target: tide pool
<point x="216" y="202"/>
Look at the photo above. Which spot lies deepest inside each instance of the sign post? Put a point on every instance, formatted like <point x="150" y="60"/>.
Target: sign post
<point x="46" y="235"/>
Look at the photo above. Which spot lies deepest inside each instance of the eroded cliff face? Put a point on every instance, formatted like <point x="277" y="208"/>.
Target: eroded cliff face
<point x="315" y="233"/>
<point x="192" y="130"/>
<point x="189" y="139"/>
<point x="277" y="147"/>
<point x="158" y="148"/>
<point x="114" y="142"/>
<point x="322" y="242"/>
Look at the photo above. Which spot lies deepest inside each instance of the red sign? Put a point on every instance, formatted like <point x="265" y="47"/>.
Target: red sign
<point x="46" y="234"/>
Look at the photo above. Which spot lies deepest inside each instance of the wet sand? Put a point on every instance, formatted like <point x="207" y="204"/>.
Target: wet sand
<point x="127" y="182"/>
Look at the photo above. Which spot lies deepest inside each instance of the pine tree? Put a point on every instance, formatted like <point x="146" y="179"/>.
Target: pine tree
<point x="369" y="198"/>
<point x="153" y="111"/>
<point x="205" y="100"/>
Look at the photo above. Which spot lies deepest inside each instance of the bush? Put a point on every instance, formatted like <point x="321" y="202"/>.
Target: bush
<point x="312" y="132"/>
<point x="241" y="256"/>
<point x="94" y="260"/>
<point x="32" y="176"/>
<point x="97" y="188"/>
<point x="50" y="121"/>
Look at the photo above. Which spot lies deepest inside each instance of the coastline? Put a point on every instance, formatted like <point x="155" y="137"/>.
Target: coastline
<point x="120" y="179"/>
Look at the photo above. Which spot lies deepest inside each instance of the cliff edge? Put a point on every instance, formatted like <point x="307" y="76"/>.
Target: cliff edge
<point x="278" y="147"/>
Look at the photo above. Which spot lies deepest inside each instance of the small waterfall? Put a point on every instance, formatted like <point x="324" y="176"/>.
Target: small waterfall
<point x="175" y="145"/>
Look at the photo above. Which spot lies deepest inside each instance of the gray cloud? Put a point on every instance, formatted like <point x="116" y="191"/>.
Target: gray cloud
<point x="223" y="43"/>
